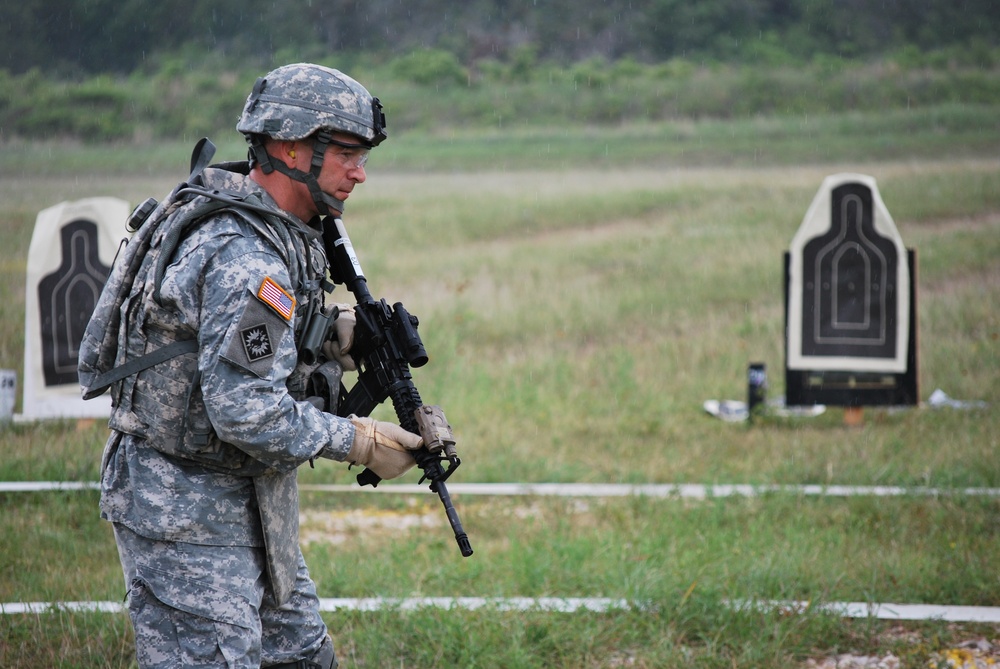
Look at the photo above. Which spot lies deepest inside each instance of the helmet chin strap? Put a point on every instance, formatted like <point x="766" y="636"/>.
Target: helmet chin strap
<point x="326" y="204"/>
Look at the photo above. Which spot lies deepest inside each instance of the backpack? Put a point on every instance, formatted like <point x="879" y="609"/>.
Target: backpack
<point x="191" y="202"/>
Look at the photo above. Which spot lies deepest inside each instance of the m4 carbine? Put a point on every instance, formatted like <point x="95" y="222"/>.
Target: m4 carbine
<point x="386" y="345"/>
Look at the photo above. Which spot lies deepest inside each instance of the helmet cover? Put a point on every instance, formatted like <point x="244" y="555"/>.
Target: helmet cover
<point x="294" y="101"/>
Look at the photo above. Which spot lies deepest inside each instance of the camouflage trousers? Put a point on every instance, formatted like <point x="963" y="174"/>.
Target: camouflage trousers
<point x="210" y="606"/>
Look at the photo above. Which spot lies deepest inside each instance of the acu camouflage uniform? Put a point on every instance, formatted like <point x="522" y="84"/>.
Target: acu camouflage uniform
<point x="199" y="474"/>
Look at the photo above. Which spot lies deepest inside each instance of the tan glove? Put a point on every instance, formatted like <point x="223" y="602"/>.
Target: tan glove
<point x="344" y="326"/>
<point x="382" y="447"/>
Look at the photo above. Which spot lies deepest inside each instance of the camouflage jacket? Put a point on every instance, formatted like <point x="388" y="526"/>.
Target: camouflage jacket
<point x="205" y="446"/>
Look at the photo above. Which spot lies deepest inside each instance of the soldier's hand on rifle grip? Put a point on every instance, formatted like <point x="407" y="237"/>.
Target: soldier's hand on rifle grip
<point x="382" y="447"/>
<point x="343" y="325"/>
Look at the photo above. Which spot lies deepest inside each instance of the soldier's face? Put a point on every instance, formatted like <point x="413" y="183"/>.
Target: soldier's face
<point x="343" y="168"/>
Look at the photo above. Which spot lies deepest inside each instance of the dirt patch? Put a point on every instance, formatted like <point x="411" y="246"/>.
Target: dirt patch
<point x="337" y="527"/>
<point x="972" y="653"/>
<point x="848" y="661"/>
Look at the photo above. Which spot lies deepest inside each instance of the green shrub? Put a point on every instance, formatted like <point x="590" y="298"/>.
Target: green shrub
<point x="185" y="96"/>
<point x="431" y="67"/>
<point x="590" y="73"/>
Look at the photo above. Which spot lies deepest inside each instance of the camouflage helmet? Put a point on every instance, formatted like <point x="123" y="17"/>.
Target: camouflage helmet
<point x="293" y="102"/>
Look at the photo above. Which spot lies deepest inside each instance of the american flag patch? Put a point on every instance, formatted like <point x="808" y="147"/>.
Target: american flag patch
<point x="275" y="297"/>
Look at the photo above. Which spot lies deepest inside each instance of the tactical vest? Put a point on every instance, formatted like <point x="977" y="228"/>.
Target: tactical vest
<point x="150" y="365"/>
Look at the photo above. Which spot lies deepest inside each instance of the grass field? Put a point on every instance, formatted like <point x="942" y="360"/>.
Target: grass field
<point x="581" y="293"/>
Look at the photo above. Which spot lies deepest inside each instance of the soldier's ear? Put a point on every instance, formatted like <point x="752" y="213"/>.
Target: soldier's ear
<point x="286" y="152"/>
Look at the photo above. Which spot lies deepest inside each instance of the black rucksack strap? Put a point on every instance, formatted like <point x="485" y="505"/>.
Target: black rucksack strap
<point x="136" y="365"/>
<point x="201" y="157"/>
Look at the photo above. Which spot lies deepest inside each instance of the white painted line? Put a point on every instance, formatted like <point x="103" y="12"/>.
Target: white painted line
<point x="42" y="486"/>
<point x="977" y="614"/>
<point x="12" y="608"/>
<point x="662" y="490"/>
<point x="551" y="604"/>
<point x="983" y="614"/>
<point x="968" y="614"/>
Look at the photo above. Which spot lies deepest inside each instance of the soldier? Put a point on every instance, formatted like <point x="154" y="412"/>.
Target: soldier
<point x="199" y="473"/>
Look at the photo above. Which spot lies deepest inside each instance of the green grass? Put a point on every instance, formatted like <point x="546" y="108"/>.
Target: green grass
<point x="679" y="559"/>
<point x="578" y="308"/>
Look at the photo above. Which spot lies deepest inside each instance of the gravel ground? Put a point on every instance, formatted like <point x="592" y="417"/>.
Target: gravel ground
<point x="971" y="654"/>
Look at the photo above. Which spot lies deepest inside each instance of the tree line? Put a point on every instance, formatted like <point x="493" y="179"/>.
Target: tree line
<point x="84" y="37"/>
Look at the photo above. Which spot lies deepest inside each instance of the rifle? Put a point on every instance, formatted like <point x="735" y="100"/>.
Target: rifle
<point x="386" y="345"/>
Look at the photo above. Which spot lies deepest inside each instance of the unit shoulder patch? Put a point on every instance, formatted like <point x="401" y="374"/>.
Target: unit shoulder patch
<point x="256" y="342"/>
<point x="276" y="297"/>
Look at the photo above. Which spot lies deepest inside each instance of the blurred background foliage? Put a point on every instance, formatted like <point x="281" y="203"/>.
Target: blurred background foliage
<point x="135" y="70"/>
<point x="121" y="36"/>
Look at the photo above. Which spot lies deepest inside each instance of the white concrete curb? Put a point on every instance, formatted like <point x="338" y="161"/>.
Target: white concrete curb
<point x="978" y="614"/>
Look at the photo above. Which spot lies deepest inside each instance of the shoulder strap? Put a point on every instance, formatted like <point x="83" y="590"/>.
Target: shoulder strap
<point x="208" y="201"/>
<point x="178" y="227"/>
<point x="202" y="155"/>
<point x="136" y="365"/>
